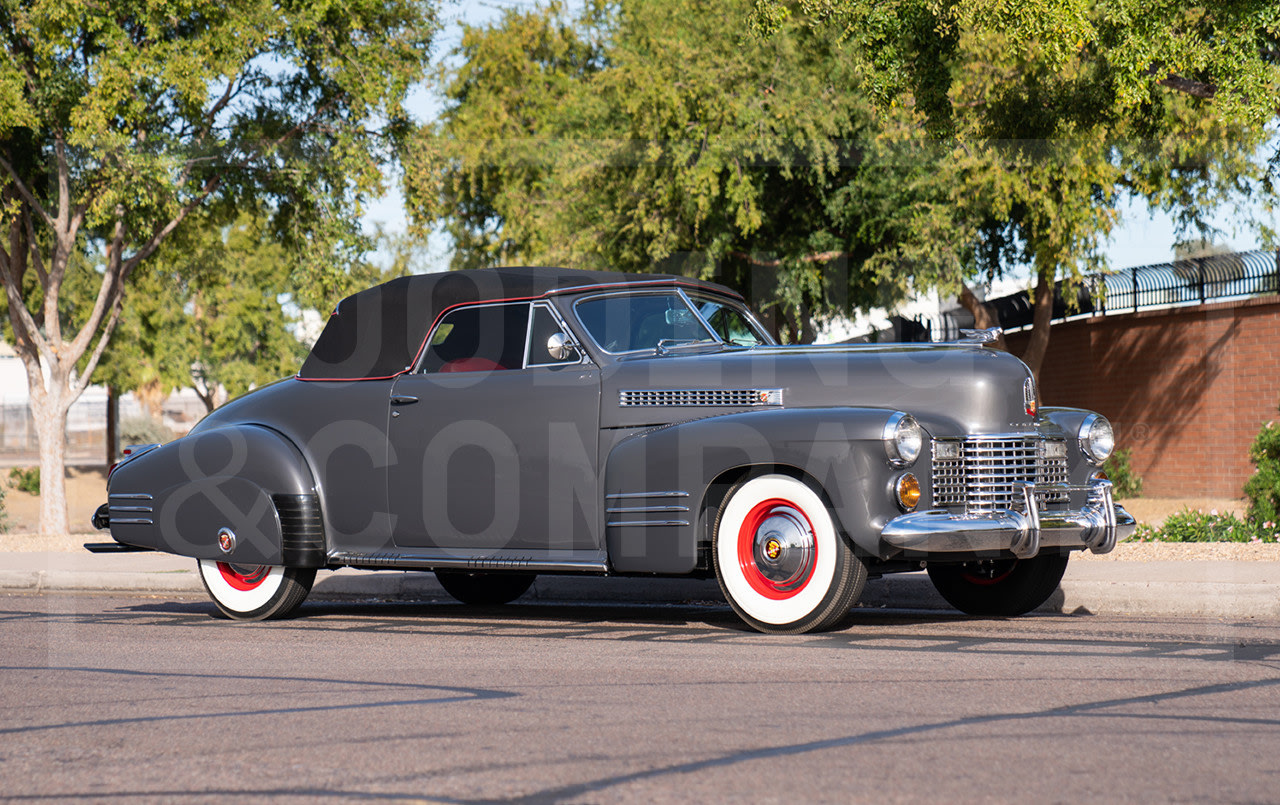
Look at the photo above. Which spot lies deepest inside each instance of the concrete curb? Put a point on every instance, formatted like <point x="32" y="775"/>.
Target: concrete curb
<point x="1222" y="589"/>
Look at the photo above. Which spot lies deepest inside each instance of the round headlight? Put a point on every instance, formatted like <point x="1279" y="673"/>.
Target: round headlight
<point x="903" y="439"/>
<point x="1096" y="438"/>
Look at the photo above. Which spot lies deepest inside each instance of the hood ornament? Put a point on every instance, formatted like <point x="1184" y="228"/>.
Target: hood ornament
<point x="986" y="336"/>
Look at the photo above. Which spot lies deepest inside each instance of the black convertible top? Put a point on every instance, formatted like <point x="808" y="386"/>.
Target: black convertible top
<point x="377" y="333"/>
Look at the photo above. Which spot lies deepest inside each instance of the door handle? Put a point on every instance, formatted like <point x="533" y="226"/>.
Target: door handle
<point x="403" y="399"/>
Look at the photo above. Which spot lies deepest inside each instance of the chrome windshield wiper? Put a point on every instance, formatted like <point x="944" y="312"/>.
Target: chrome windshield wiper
<point x="668" y="345"/>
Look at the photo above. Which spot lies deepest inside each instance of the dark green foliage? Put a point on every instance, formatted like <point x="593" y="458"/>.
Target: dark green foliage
<point x="1263" y="487"/>
<point x="25" y="479"/>
<point x="1125" y="482"/>
<point x="1193" y="525"/>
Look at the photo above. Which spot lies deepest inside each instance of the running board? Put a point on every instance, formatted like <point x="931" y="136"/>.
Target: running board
<point x="424" y="561"/>
<point x="113" y="547"/>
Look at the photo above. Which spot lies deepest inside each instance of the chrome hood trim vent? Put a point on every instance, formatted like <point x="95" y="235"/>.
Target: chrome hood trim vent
<point x="700" y="398"/>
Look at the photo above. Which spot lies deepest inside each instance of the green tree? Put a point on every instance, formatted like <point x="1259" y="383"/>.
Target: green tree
<point x="1047" y="114"/>
<point x="120" y="120"/>
<point x="207" y="312"/>
<point x="656" y="136"/>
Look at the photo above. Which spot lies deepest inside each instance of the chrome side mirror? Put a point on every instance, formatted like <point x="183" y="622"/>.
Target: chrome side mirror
<point x="559" y="347"/>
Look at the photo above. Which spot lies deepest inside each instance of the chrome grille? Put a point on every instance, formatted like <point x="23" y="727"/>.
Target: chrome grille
<point x="710" y="398"/>
<point x="989" y="471"/>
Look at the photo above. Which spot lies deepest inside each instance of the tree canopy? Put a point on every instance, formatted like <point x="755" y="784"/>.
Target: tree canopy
<point x="654" y="137"/>
<point x="119" y="121"/>
<point x="1049" y="113"/>
<point x="849" y="153"/>
<point x="208" y="312"/>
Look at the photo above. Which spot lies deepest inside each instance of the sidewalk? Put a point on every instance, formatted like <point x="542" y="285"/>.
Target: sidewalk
<point x="1224" y="589"/>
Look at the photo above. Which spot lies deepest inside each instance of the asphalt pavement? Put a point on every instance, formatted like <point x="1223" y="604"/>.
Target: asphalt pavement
<point x="128" y="698"/>
<point x="1159" y="588"/>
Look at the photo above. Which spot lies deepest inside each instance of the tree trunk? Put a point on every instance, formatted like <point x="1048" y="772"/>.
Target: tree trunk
<point x="113" y="421"/>
<point x="1041" y="321"/>
<point x="984" y="316"/>
<point x="49" y="411"/>
<point x="152" y="395"/>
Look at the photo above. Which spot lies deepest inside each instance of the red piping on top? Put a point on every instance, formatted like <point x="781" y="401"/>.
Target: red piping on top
<point x="544" y="294"/>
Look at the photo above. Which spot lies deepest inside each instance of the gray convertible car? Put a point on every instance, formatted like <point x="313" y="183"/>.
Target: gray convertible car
<point x="495" y="424"/>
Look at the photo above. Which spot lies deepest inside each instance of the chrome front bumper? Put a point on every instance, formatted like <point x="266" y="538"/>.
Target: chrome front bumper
<point x="1097" y="525"/>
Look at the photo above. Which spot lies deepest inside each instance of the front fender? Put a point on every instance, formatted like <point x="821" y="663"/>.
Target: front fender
<point x="246" y="479"/>
<point x="657" y="481"/>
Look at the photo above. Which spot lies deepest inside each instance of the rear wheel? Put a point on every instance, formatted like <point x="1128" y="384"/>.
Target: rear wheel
<point x="1003" y="587"/>
<point x="780" y="560"/>
<point x="255" y="592"/>
<point x="485" y="589"/>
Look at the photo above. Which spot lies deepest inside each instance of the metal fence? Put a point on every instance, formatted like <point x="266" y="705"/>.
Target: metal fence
<point x="1193" y="281"/>
<point x="86" y="427"/>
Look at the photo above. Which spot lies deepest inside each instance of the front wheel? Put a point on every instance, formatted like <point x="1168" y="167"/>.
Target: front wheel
<point x="484" y="589"/>
<point x="1003" y="587"/>
<point x="780" y="560"/>
<point x="255" y="592"/>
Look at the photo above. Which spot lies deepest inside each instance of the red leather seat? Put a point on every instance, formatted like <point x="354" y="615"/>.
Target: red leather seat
<point x="472" y="365"/>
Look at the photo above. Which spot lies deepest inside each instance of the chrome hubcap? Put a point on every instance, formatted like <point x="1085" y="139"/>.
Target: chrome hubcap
<point x="783" y="548"/>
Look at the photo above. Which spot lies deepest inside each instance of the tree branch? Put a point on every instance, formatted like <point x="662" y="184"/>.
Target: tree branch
<point x="82" y="382"/>
<point x="26" y="194"/>
<point x="110" y="292"/>
<point x="37" y="260"/>
<point x="1189" y="86"/>
<point x="819" y="257"/>
<point x="30" y="343"/>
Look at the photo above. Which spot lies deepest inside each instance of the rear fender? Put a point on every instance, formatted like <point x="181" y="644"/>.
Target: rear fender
<point x="241" y="493"/>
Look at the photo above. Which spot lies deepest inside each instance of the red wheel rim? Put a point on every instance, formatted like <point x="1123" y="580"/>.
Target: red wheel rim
<point x="243" y="577"/>
<point x="747" y="538"/>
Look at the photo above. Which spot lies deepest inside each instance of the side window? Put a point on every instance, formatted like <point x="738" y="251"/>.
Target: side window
<point x="482" y="338"/>
<point x="544" y="326"/>
<point x="728" y="323"/>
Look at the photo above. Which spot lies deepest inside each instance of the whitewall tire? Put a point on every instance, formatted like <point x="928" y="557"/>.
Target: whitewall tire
<point x="255" y="592"/>
<point x="780" y="560"/>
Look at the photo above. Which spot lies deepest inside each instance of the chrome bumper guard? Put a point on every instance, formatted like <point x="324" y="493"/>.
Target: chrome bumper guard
<point x="1097" y="525"/>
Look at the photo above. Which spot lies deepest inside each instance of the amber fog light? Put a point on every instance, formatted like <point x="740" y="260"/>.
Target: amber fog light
<point x="1099" y="476"/>
<point x="908" y="489"/>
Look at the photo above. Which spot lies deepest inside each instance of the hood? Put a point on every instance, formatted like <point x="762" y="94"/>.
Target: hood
<point x="951" y="389"/>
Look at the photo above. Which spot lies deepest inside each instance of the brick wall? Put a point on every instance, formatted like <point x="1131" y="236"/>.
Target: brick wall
<point x="1186" y="388"/>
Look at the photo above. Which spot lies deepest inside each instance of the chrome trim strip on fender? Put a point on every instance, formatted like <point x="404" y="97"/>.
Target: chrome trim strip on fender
<point x="621" y="523"/>
<point x="131" y="521"/>
<point x="644" y="509"/>
<point x="129" y="496"/>
<point x="629" y="495"/>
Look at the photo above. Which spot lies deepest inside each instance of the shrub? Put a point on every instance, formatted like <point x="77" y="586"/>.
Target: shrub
<point x="1127" y="483"/>
<point x="25" y="480"/>
<point x="1263" y="488"/>
<point x="1193" y="525"/>
<point x="143" y="430"/>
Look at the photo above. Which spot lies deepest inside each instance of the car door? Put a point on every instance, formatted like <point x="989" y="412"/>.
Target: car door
<point x="495" y="438"/>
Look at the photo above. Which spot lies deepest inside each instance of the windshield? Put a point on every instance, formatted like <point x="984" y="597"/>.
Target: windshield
<point x="633" y="322"/>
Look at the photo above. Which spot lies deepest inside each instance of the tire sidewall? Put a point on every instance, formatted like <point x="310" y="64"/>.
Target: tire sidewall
<point x="809" y="603"/>
<point x="242" y="603"/>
